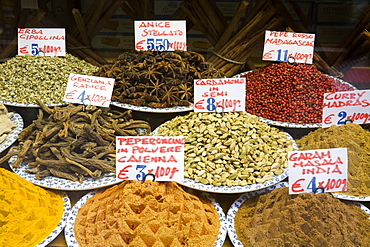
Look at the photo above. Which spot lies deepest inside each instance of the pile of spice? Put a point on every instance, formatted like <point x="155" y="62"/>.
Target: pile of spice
<point x="26" y="78"/>
<point x="74" y="141"/>
<point x="290" y="93"/>
<point x="229" y="149"/>
<point x="357" y="141"/>
<point x="157" y="79"/>
<point x="146" y="213"/>
<point x="6" y="125"/>
<point x="279" y="219"/>
<point x="28" y="213"/>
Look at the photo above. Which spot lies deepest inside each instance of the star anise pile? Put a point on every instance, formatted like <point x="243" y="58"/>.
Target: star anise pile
<point x="157" y="79"/>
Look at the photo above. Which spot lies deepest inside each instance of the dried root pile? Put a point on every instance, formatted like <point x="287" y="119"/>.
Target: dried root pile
<point x="157" y="79"/>
<point x="72" y="142"/>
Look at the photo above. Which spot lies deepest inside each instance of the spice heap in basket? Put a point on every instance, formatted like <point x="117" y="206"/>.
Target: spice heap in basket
<point x="229" y="149"/>
<point x="290" y="93"/>
<point x="28" y="213"/>
<point x="157" y="79"/>
<point x="279" y="219"/>
<point x="146" y="213"/>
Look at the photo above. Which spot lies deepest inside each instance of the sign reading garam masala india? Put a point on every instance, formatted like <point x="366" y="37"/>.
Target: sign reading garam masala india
<point x="161" y="156"/>
<point x="310" y="170"/>
<point x="223" y="94"/>
<point x="288" y="46"/>
<point x="89" y="90"/>
<point x="341" y="106"/>
<point x="160" y="35"/>
<point x="42" y="41"/>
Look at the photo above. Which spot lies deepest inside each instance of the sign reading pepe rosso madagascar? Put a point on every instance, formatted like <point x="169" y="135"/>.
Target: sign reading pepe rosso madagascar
<point x="288" y="47"/>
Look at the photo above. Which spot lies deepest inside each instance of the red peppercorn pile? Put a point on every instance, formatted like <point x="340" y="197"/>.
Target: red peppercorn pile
<point x="290" y="93"/>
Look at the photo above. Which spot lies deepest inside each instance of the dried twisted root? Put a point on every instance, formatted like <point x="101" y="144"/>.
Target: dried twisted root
<point x="70" y="143"/>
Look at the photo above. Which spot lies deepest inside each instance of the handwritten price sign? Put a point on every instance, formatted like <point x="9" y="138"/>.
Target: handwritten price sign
<point x="89" y="90"/>
<point x="288" y="47"/>
<point x="342" y="106"/>
<point x="224" y="94"/>
<point x="321" y="169"/>
<point x="139" y="156"/>
<point x="41" y="41"/>
<point x="160" y="35"/>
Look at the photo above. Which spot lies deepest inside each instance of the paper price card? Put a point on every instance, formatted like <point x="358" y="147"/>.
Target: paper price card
<point x="340" y="107"/>
<point x="89" y="90"/>
<point x="42" y="41"/>
<point x="288" y="47"/>
<point x="160" y="35"/>
<point x="318" y="170"/>
<point x="221" y="95"/>
<point x="150" y="157"/>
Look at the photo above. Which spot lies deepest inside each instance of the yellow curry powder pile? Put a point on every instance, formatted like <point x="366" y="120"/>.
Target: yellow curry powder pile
<point x="278" y="219"/>
<point x="357" y="141"/>
<point x="28" y="213"/>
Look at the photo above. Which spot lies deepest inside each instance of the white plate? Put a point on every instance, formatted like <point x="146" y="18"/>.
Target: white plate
<point x="69" y="229"/>
<point x="294" y="125"/>
<point x="29" y="105"/>
<point x="238" y="202"/>
<point x="351" y="198"/>
<point x="152" y="109"/>
<point x="13" y="134"/>
<point x="61" y="183"/>
<point x="61" y="224"/>
<point x="235" y="189"/>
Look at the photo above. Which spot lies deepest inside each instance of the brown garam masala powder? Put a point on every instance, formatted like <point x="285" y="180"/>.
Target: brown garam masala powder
<point x="357" y="141"/>
<point x="279" y="219"/>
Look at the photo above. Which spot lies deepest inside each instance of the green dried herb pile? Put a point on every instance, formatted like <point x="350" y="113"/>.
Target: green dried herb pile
<point x="25" y="78"/>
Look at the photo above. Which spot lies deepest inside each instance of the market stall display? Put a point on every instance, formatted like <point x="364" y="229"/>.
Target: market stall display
<point x="231" y="152"/>
<point x="157" y="79"/>
<point x="289" y="95"/>
<point x="146" y="214"/>
<point x="23" y="79"/>
<point x="356" y="140"/>
<point x="272" y="217"/>
<point x="30" y="215"/>
<point x="73" y="142"/>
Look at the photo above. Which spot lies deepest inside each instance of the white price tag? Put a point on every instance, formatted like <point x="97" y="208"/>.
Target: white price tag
<point x="318" y="170"/>
<point x="89" y="90"/>
<point x="288" y="47"/>
<point x="221" y="95"/>
<point x="159" y="158"/>
<point x="160" y="35"/>
<point x="42" y="41"/>
<point x="345" y="106"/>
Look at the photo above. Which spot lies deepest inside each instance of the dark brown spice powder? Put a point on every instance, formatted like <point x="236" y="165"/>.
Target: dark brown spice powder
<point x="279" y="219"/>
